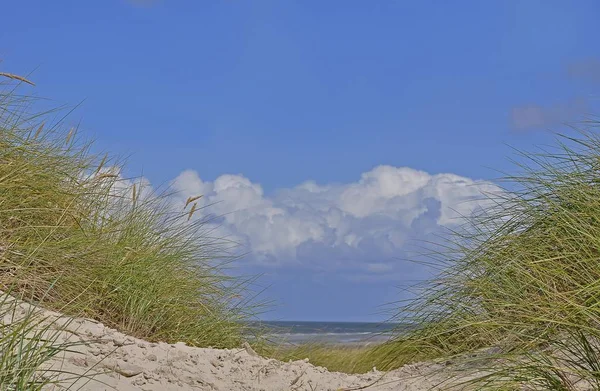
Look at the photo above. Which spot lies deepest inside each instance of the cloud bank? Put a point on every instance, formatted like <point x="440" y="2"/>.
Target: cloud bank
<point x="362" y="226"/>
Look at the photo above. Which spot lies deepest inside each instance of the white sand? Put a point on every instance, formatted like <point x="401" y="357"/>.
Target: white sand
<point x="112" y="360"/>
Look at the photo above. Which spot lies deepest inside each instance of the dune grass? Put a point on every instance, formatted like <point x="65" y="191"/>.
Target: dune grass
<point x="77" y="235"/>
<point x="350" y="358"/>
<point x="28" y="343"/>
<point x="524" y="276"/>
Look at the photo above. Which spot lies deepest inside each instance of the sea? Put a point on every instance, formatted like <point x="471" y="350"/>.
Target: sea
<point x="340" y="333"/>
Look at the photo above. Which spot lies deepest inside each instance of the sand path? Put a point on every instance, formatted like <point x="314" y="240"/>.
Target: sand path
<point x="114" y="361"/>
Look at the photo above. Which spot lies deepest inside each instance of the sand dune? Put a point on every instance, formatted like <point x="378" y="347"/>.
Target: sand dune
<point x="111" y="360"/>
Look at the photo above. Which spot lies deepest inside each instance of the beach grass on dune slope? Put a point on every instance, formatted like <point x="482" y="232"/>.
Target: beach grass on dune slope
<point x="28" y="343"/>
<point x="76" y="234"/>
<point x="524" y="275"/>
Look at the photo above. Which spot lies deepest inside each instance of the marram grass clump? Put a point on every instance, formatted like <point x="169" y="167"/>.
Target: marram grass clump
<point x="523" y="276"/>
<point x="28" y="344"/>
<point x="82" y="239"/>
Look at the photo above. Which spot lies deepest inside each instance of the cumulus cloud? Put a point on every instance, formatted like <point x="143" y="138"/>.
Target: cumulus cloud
<point x="359" y="226"/>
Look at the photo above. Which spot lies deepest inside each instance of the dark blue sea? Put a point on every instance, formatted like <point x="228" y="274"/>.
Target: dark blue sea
<point x="345" y="333"/>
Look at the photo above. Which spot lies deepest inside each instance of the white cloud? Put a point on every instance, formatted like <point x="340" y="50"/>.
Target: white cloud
<point x="360" y="225"/>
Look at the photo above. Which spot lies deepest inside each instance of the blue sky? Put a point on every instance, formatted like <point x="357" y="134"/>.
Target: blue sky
<point x="334" y="134"/>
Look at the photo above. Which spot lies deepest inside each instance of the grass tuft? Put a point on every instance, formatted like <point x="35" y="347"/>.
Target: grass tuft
<point x="84" y="240"/>
<point x="346" y="359"/>
<point x="523" y="276"/>
<point x="28" y="344"/>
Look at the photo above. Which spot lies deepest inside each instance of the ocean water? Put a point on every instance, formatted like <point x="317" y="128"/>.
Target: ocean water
<point x="345" y="333"/>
